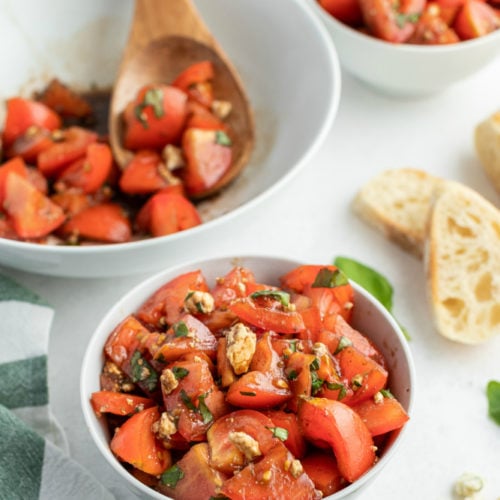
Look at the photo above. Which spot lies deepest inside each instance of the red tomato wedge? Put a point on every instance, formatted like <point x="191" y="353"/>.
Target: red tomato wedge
<point x="72" y="146"/>
<point x="135" y="443"/>
<point x="382" y="416"/>
<point x="144" y="174"/>
<point x="15" y="165"/>
<point x="155" y="118"/>
<point x="64" y="101"/>
<point x="432" y="29"/>
<point x="346" y="11"/>
<point x="195" y="73"/>
<point x="294" y="441"/>
<point x="250" y="483"/>
<point x="71" y="201"/>
<point x="232" y="286"/>
<point x="105" y="222"/>
<point x="322" y="468"/>
<point x="33" y="215"/>
<point x="208" y="157"/>
<point x="30" y="144"/>
<point x="166" y="305"/>
<point x="23" y="114"/>
<point x="475" y="19"/>
<point x="166" y="213"/>
<point x="89" y="173"/>
<point x="118" y="403"/>
<point x="339" y="426"/>
<point x="201" y="117"/>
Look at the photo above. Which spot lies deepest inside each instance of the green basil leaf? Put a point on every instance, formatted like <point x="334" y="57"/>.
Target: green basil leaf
<point x="204" y="411"/>
<point x="172" y="476"/>
<point x="248" y="393"/>
<point x="343" y="343"/>
<point x="292" y="375"/>
<point x="326" y="278"/>
<point x="386" y="393"/>
<point x="283" y="297"/>
<point x="314" y="366"/>
<point x="187" y="400"/>
<point x="222" y="138"/>
<point x="368" y="278"/>
<point x="493" y="393"/>
<point x="180" y="329"/>
<point x="279" y="432"/>
<point x="180" y="372"/>
<point x="143" y="372"/>
<point x="316" y="383"/>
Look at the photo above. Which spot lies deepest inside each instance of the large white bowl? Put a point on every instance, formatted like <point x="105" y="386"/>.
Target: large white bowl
<point x="407" y="70"/>
<point x="284" y="56"/>
<point x="369" y="317"/>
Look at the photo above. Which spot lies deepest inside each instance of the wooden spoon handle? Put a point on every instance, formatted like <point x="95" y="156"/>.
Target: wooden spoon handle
<point x="154" y="19"/>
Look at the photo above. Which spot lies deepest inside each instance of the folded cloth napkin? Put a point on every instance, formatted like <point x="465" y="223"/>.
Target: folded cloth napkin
<point x="34" y="461"/>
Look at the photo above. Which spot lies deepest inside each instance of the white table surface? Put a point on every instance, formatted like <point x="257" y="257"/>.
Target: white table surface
<point x="311" y="220"/>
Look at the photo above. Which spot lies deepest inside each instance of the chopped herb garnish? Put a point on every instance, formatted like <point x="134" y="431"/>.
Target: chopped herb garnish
<point x="203" y="409"/>
<point x="154" y="98"/>
<point x="143" y="372"/>
<point x="245" y="393"/>
<point x="316" y="383"/>
<point x="222" y="138"/>
<point x="180" y="329"/>
<point x="279" y="432"/>
<point x="326" y="278"/>
<point x="292" y="375"/>
<point x="402" y="19"/>
<point x="172" y="476"/>
<point x="314" y="364"/>
<point x="283" y="297"/>
<point x="179" y="372"/>
<point x="335" y="386"/>
<point x="293" y="346"/>
<point x="343" y="343"/>
<point x="493" y="393"/>
<point x="187" y="400"/>
<point x="386" y="393"/>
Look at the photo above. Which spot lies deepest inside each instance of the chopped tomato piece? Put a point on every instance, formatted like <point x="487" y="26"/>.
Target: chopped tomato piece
<point x="16" y="165"/>
<point x="105" y="222"/>
<point x="30" y="144"/>
<point x="432" y="29"/>
<point x="23" y="114"/>
<point x="195" y="73"/>
<point x="232" y="286"/>
<point x="339" y="426"/>
<point x="155" y="118"/>
<point x="89" y="173"/>
<point x="381" y="416"/>
<point x="167" y="212"/>
<point x="118" y="403"/>
<point x="64" y="101"/>
<point x="71" y="201"/>
<point x="166" y="305"/>
<point x="475" y="19"/>
<point x="346" y="11"/>
<point x="322" y="468"/>
<point x="33" y="214"/>
<point x="250" y="483"/>
<point x="208" y="157"/>
<point x="6" y="229"/>
<point x="73" y="146"/>
<point x="201" y="117"/>
<point x="294" y="441"/>
<point x="135" y="443"/>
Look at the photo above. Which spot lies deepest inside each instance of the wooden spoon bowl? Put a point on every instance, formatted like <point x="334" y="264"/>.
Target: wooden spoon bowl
<point x="165" y="38"/>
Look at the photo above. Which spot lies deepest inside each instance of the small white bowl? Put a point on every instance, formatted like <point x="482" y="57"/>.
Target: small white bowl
<point x="369" y="317"/>
<point x="406" y="70"/>
<point x="82" y="45"/>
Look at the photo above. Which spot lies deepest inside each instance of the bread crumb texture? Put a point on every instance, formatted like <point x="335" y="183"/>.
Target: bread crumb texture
<point x="463" y="265"/>
<point x="397" y="202"/>
<point x="487" y="142"/>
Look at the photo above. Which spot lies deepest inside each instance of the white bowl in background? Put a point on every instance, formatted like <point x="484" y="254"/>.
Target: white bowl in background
<point x="369" y="317"/>
<point x="407" y="70"/>
<point x="81" y="44"/>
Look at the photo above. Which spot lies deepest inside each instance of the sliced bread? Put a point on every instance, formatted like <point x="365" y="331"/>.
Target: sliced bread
<point x="462" y="259"/>
<point x="397" y="203"/>
<point x="487" y="141"/>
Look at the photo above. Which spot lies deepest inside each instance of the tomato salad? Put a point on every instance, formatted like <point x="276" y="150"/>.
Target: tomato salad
<point x="418" y="21"/>
<point x="247" y="390"/>
<point x="60" y="183"/>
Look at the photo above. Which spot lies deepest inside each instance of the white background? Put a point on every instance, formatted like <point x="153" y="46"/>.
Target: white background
<point x="311" y="220"/>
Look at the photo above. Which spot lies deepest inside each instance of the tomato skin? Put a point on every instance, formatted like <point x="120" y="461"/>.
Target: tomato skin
<point x="16" y="165"/>
<point x="250" y="484"/>
<point x="74" y="145"/>
<point x="118" y="403"/>
<point x="24" y="113"/>
<point x="165" y="306"/>
<point x="381" y="417"/>
<point x="432" y="29"/>
<point x="295" y="442"/>
<point x="476" y="19"/>
<point x="30" y="144"/>
<point x="90" y="172"/>
<point x="159" y="124"/>
<point x="341" y="427"/>
<point x="64" y="101"/>
<point x="195" y="73"/>
<point x="33" y="215"/>
<point x="71" y="201"/>
<point x="142" y="174"/>
<point x="105" y="222"/>
<point x="135" y="443"/>
<point x="207" y="160"/>
<point x="346" y="11"/>
<point x="322" y="468"/>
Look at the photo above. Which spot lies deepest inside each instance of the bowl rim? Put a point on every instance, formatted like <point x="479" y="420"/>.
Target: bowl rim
<point x="97" y="339"/>
<point x="332" y="71"/>
<point x="471" y="44"/>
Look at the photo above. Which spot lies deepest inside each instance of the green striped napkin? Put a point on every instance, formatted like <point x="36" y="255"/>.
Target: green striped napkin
<point x="34" y="461"/>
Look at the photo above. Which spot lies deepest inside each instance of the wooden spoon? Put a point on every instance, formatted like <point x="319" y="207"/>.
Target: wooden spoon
<point x="165" y="38"/>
